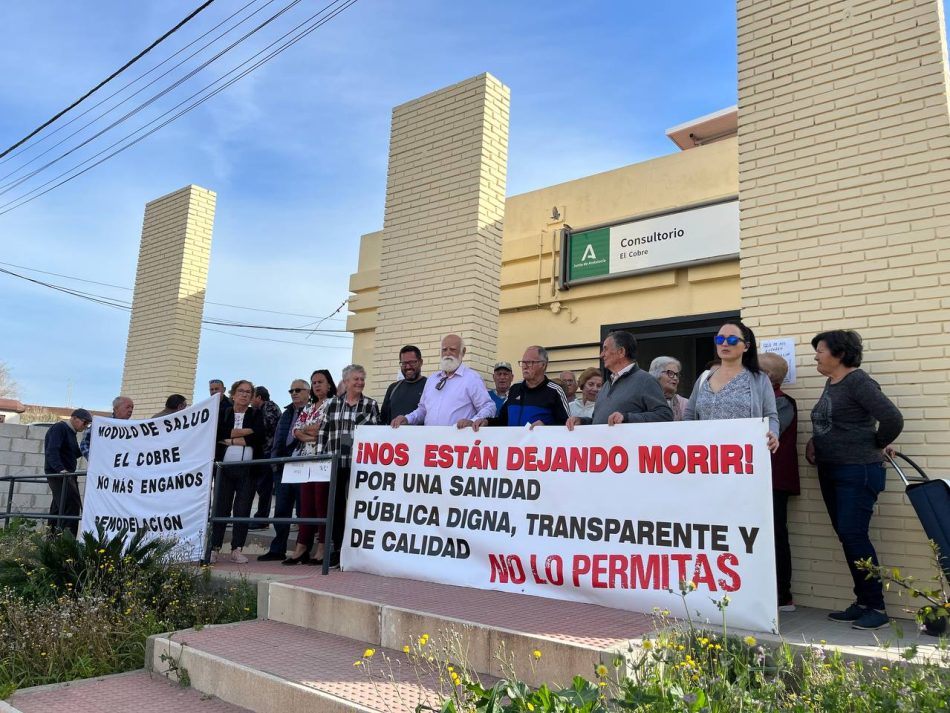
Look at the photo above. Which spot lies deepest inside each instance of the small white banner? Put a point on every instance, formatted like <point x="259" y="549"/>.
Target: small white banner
<point x="153" y="475"/>
<point x="315" y="471"/>
<point x="617" y="516"/>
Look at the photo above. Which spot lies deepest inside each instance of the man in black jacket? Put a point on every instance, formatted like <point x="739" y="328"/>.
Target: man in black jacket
<point x="537" y="400"/>
<point x="62" y="453"/>
<point x="288" y="495"/>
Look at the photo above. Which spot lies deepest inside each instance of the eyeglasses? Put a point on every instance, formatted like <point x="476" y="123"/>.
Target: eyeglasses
<point x="412" y="362"/>
<point x="296" y="391"/>
<point x="731" y="340"/>
<point x="438" y="387"/>
<point x="525" y="364"/>
<point x="672" y="374"/>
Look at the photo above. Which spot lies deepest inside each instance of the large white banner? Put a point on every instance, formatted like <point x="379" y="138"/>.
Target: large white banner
<point x="617" y="516"/>
<point x="153" y="475"/>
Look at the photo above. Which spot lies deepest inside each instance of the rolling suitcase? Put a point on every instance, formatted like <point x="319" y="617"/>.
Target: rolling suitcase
<point x="931" y="500"/>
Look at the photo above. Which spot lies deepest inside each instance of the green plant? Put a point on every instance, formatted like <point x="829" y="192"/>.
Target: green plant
<point x="933" y="606"/>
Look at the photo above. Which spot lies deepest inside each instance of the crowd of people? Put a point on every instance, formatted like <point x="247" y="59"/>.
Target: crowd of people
<point x="853" y="423"/>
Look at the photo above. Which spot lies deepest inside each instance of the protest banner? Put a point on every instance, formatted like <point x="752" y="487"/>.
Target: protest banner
<point x="154" y="475"/>
<point x="617" y="516"/>
<point x="317" y="471"/>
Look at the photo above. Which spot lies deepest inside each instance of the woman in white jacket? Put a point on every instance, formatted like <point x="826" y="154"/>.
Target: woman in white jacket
<point x="737" y="388"/>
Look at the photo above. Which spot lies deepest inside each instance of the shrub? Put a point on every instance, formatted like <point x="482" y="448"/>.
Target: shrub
<point x="74" y="608"/>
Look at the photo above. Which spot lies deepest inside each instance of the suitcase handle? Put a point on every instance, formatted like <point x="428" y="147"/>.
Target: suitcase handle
<point x="920" y="478"/>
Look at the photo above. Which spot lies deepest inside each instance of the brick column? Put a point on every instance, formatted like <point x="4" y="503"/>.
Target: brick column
<point x="162" y="351"/>
<point x="844" y="172"/>
<point x="441" y="243"/>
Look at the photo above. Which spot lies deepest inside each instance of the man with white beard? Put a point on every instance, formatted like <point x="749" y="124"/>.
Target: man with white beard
<point x="455" y="396"/>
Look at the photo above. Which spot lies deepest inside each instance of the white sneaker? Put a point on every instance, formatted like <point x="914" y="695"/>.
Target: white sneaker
<point x="237" y="556"/>
<point x="214" y="557"/>
<point x="787" y="607"/>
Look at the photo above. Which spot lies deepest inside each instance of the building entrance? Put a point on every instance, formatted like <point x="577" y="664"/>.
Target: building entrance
<point x="689" y="339"/>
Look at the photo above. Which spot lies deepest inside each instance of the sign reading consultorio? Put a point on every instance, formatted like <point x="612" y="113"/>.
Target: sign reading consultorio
<point x="697" y="235"/>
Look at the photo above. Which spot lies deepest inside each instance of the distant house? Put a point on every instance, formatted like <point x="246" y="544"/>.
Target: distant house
<point x="10" y="410"/>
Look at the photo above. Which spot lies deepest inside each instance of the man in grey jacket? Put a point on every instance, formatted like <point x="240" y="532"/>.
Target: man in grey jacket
<point x="630" y="395"/>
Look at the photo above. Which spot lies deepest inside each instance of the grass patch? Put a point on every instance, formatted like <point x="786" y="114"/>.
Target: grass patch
<point x="76" y="608"/>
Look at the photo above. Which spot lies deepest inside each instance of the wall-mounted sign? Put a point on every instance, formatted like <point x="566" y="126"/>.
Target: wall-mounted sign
<point x="785" y="348"/>
<point x="698" y="235"/>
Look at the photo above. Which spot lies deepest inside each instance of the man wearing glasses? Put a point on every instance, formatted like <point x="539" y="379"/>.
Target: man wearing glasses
<point x="455" y="396"/>
<point x="403" y="396"/>
<point x="536" y="400"/>
<point x="630" y="395"/>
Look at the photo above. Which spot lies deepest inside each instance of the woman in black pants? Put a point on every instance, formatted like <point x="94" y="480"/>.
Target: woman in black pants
<point x="240" y="438"/>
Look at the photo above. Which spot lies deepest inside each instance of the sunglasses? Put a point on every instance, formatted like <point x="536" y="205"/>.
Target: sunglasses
<point x="438" y="387"/>
<point x="296" y="391"/>
<point x="731" y="340"/>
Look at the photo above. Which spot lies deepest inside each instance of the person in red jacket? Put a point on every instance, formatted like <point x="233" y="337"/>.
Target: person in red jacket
<point x="785" y="480"/>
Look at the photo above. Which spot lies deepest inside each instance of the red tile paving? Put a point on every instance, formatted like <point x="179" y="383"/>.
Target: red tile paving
<point x="138" y="691"/>
<point x="573" y="622"/>
<point x="320" y="661"/>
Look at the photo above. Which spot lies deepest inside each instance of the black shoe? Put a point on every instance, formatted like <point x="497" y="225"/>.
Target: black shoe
<point x="270" y="557"/>
<point x="257" y="527"/>
<point x="335" y="560"/>
<point x="303" y="559"/>
<point x="316" y="562"/>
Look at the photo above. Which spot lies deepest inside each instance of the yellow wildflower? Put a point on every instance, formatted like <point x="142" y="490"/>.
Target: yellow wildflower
<point x="647" y="644"/>
<point x="369" y="653"/>
<point x="405" y="649"/>
<point x="601" y="670"/>
<point x="536" y="654"/>
<point x="357" y="663"/>
<point x="750" y="641"/>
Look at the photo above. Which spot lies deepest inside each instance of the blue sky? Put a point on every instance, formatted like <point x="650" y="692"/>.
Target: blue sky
<point x="297" y="153"/>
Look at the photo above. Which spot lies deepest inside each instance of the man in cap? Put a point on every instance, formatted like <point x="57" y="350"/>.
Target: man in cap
<point x="502" y="376"/>
<point x="61" y="456"/>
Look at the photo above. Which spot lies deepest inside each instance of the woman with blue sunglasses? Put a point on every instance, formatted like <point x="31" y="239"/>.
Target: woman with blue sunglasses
<point x="737" y="388"/>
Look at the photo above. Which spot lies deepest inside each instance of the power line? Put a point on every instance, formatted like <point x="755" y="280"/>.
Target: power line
<point x="129" y="84"/>
<point x="329" y="317"/>
<point x="125" y="306"/>
<point x="128" y="115"/>
<point x="108" y="79"/>
<point x="23" y="199"/>
<point x="276" y="341"/>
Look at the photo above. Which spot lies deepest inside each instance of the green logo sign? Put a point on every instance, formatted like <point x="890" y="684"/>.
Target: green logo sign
<point x="590" y="254"/>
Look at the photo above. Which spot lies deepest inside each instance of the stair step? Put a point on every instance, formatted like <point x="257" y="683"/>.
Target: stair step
<point x="572" y="637"/>
<point x="138" y="691"/>
<point x="273" y="667"/>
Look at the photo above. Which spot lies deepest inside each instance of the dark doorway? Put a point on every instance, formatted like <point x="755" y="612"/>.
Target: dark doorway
<point x="689" y="339"/>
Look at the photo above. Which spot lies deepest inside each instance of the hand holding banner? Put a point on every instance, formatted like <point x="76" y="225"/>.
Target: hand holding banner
<point x="618" y="516"/>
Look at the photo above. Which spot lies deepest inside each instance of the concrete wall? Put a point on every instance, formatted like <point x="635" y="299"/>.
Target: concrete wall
<point x="21" y="453"/>
<point x="844" y="166"/>
<point x="162" y="352"/>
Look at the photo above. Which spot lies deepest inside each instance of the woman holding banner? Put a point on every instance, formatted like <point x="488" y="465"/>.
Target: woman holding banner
<point x="240" y="438"/>
<point x="737" y="388"/>
<point x="313" y="496"/>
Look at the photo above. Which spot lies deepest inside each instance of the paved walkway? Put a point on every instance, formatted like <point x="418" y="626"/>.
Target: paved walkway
<point x="137" y="691"/>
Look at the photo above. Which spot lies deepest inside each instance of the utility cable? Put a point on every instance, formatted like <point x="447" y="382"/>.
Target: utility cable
<point x="62" y="126"/>
<point x="329" y="317"/>
<point x="13" y="184"/>
<point x="108" y="79"/>
<point x="23" y="200"/>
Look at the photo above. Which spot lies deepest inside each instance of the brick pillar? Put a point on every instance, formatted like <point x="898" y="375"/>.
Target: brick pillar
<point x="162" y="351"/>
<point x="441" y="245"/>
<point x="844" y="173"/>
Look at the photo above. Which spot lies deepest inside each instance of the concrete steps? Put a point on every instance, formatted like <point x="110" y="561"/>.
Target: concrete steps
<point x="137" y="691"/>
<point x="301" y="654"/>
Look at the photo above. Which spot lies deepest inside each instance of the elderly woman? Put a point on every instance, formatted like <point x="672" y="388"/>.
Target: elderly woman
<point x="313" y="496"/>
<point x="852" y="424"/>
<point x="667" y="371"/>
<point x="240" y="439"/>
<point x="736" y="388"/>
<point x="341" y="417"/>
<point x="785" y="481"/>
<point x="588" y="386"/>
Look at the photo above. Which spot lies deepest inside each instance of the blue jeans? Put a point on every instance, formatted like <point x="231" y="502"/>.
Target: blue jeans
<point x="288" y="495"/>
<point x="850" y="493"/>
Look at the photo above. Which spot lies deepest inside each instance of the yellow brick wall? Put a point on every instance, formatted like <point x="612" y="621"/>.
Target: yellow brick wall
<point x="844" y="175"/>
<point x="168" y="304"/>
<point x="439" y="253"/>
